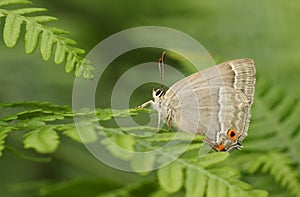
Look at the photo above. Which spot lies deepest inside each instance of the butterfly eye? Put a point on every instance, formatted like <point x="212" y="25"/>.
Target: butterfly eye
<point x="158" y="92"/>
<point x="231" y="134"/>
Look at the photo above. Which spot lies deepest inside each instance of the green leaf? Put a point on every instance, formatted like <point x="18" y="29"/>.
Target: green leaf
<point x="46" y="45"/>
<point x="68" y="41"/>
<point x="70" y="64"/>
<point x="226" y="172"/>
<point x="56" y="30"/>
<point x="12" y="28"/>
<point x="11" y="2"/>
<point x="42" y="19"/>
<point x="43" y="140"/>
<point x="73" y="134"/>
<point x="120" y="146"/>
<point x="29" y="10"/>
<point x="78" y="50"/>
<point x="50" y="35"/>
<point x="160" y="193"/>
<point x="212" y="188"/>
<point x="270" y="109"/>
<point x="171" y="177"/>
<point x="279" y="166"/>
<point x="31" y="37"/>
<point x="60" y="53"/>
<point x="31" y="123"/>
<point x="213" y="158"/>
<point x="10" y="117"/>
<point x="87" y="133"/>
<point x="3" y="134"/>
<point x="143" y="163"/>
<point x="195" y="183"/>
<point x="258" y="193"/>
<point x="124" y="141"/>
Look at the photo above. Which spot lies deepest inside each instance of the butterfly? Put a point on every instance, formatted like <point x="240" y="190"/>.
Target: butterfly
<point x="214" y="102"/>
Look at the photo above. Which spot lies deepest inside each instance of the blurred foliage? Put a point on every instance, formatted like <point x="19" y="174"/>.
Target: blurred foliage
<point x="266" y="31"/>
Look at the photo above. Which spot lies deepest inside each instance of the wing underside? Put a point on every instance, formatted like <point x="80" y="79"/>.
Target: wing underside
<point x="214" y="99"/>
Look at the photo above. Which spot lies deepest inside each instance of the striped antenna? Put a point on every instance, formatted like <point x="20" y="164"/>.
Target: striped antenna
<point x="161" y="67"/>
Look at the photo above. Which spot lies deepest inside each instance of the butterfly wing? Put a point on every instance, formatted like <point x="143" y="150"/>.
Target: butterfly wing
<point x="214" y="99"/>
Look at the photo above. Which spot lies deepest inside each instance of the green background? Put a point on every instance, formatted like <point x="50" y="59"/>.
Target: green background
<point x="266" y="31"/>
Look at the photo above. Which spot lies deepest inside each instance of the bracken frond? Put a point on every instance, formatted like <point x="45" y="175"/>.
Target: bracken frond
<point x="52" y="40"/>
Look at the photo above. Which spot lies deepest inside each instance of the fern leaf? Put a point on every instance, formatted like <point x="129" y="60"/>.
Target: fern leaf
<point x="12" y="28"/>
<point x="279" y="166"/>
<point x="56" y="30"/>
<point x="218" y="178"/>
<point x="44" y="140"/>
<point x="120" y="145"/>
<point x="11" y="2"/>
<point x="212" y="159"/>
<point x="195" y="183"/>
<point x="271" y="107"/>
<point x="142" y="163"/>
<point x="73" y="134"/>
<point x="29" y="10"/>
<point x="50" y="36"/>
<point x="79" y="51"/>
<point x="46" y="45"/>
<point x="42" y="19"/>
<point x="71" y="62"/>
<point x="60" y="53"/>
<point x="171" y="177"/>
<point x="31" y="37"/>
<point x="3" y="134"/>
<point x="215" y="183"/>
<point x="68" y="41"/>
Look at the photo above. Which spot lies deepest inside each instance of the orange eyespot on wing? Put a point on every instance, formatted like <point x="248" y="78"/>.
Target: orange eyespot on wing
<point x="231" y="134"/>
<point x="220" y="148"/>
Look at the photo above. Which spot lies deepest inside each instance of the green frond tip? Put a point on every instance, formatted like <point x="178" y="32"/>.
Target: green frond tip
<point x="51" y="39"/>
<point x="43" y="140"/>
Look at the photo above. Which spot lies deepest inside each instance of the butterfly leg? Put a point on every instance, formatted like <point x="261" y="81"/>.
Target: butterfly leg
<point x="158" y="124"/>
<point x="169" y="120"/>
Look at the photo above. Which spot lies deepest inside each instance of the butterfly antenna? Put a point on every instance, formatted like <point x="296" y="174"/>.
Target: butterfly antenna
<point x="161" y="67"/>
